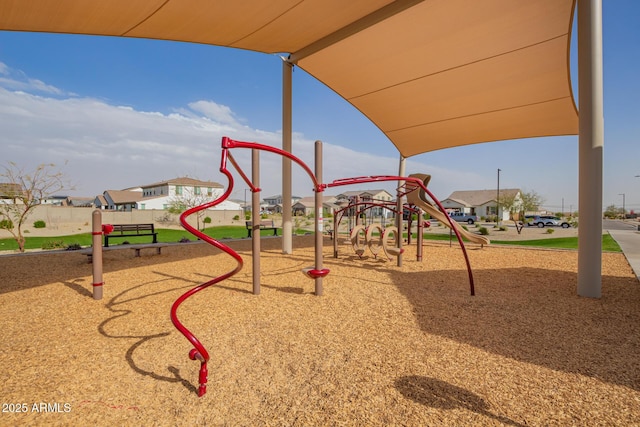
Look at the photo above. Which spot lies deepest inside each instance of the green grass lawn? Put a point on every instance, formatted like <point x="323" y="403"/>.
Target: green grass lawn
<point x="164" y="235"/>
<point x="608" y="243"/>
<point x="237" y="232"/>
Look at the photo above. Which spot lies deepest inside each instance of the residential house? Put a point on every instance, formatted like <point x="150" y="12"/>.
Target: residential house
<point x="191" y="192"/>
<point x="55" y="200"/>
<point x="368" y="196"/>
<point x="160" y="195"/>
<point x="10" y="192"/>
<point x="80" y="202"/>
<point x="121" y="200"/>
<point x="306" y="206"/>
<point x="100" y="202"/>
<point x="273" y="204"/>
<point x="482" y="203"/>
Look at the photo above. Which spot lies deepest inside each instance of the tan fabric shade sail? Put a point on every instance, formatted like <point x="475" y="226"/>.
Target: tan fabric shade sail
<point x="430" y="74"/>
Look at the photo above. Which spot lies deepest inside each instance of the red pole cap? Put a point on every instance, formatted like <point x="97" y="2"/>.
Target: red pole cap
<point x="107" y="228"/>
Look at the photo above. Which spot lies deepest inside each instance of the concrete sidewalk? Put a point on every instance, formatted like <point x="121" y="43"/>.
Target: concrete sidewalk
<point x="629" y="241"/>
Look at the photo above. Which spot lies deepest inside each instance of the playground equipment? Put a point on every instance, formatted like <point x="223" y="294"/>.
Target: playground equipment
<point x="316" y="272"/>
<point x="384" y="234"/>
<point x="418" y="198"/>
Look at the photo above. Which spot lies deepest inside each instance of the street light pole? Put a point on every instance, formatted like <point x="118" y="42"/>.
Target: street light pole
<point x="498" y="200"/>
<point x="624" y="212"/>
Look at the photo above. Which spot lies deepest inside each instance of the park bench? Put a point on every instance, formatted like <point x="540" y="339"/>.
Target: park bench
<point x="136" y="248"/>
<point x="130" y="230"/>
<point x="266" y="224"/>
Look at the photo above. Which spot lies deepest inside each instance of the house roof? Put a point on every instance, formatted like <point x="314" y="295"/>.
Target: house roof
<point x="124" y="196"/>
<point x="9" y="189"/>
<point x="185" y="181"/>
<point x="310" y="202"/>
<point x="429" y="74"/>
<point x="361" y="192"/>
<point x="480" y="197"/>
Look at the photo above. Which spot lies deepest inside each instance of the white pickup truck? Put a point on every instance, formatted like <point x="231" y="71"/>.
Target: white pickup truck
<point x="463" y="217"/>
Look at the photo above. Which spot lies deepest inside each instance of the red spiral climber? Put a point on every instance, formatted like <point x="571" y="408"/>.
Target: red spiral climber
<point x="199" y="352"/>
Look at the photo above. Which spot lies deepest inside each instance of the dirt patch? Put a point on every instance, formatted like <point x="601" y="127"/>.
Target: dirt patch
<point x="385" y="345"/>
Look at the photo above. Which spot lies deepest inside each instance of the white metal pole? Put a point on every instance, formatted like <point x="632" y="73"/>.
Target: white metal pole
<point x="591" y="145"/>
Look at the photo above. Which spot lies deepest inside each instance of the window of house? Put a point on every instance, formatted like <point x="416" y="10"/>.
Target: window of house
<point x="209" y="191"/>
<point x="142" y="205"/>
<point x="179" y="190"/>
<point x="196" y="191"/>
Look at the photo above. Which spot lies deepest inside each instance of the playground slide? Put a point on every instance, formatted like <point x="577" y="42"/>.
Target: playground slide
<point x="419" y="199"/>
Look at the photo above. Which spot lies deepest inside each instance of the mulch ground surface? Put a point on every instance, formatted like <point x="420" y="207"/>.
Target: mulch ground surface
<point x="384" y="345"/>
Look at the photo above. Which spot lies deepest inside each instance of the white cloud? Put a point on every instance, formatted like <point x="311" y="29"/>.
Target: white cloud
<point x="18" y="81"/>
<point x="216" y="112"/>
<point x="113" y="147"/>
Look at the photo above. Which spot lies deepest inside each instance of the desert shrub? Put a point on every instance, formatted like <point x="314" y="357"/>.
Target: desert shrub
<point x="6" y="224"/>
<point x="235" y="218"/>
<point x="74" y="247"/>
<point x="550" y="230"/>
<point x="53" y="244"/>
<point x="39" y="224"/>
<point x="184" y="240"/>
<point x="465" y="228"/>
<point x="503" y="228"/>
<point x="483" y="231"/>
<point x="207" y="220"/>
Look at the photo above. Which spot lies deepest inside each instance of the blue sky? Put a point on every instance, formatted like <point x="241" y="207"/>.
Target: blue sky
<point x="126" y="112"/>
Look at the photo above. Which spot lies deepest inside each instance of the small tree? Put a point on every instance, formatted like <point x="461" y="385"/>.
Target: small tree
<point x="612" y="212"/>
<point x="22" y="191"/>
<point x="530" y="201"/>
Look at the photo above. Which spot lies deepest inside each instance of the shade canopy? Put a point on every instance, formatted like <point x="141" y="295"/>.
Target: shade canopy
<point x="430" y="74"/>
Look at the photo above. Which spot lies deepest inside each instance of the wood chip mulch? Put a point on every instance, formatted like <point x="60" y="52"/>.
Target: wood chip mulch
<point x="384" y="345"/>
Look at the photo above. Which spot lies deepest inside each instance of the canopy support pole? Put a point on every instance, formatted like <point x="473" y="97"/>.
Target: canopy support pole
<point x="287" y="130"/>
<point x="590" y="147"/>
<point x="400" y="210"/>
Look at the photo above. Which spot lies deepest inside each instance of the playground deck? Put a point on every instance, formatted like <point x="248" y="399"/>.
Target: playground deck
<point x="384" y="345"/>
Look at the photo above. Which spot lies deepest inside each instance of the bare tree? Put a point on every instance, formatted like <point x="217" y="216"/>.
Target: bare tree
<point x="188" y="200"/>
<point x="21" y="191"/>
